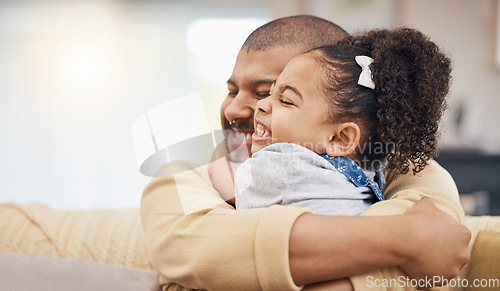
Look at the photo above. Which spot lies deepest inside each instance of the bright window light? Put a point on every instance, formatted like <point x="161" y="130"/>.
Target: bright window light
<point x="86" y="67"/>
<point x="213" y="45"/>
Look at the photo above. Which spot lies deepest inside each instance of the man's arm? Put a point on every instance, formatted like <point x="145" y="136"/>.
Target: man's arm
<point x="363" y="243"/>
<point x="199" y="241"/>
<point x="402" y="192"/>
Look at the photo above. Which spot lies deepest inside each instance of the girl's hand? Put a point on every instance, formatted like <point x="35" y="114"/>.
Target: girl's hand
<point x="221" y="173"/>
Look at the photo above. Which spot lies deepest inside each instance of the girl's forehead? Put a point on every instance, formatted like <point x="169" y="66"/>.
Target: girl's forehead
<point x="304" y="77"/>
<point x="300" y="65"/>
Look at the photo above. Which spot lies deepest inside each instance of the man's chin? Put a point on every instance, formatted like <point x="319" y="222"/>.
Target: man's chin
<point x="238" y="156"/>
<point x="239" y="149"/>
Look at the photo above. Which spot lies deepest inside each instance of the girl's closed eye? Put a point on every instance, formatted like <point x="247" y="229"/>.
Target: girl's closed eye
<point x="286" y="101"/>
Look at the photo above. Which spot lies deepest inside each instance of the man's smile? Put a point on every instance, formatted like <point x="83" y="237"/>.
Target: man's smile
<point x="239" y="139"/>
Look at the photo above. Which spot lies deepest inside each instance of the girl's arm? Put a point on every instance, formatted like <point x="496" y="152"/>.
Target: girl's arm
<point x="221" y="173"/>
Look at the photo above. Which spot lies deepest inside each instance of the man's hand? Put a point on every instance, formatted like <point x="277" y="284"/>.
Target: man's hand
<point x="336" y="285"/>
<point x="442" y="242"/>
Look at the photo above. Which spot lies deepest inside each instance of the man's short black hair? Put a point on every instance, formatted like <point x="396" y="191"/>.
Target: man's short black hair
<point x="304" y="31"/>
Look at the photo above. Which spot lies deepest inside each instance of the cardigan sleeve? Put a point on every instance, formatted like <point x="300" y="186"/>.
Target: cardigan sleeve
<point x="197" y="240"/>
<point x="402" y="192"/>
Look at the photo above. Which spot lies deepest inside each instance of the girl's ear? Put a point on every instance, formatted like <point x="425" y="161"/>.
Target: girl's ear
<point x="345" y="140"/>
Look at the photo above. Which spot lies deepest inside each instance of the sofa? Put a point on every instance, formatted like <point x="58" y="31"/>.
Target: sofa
<point x="46" y="249"/>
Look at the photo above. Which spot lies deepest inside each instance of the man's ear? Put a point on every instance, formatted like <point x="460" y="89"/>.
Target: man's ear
<point x="345" y="140"/>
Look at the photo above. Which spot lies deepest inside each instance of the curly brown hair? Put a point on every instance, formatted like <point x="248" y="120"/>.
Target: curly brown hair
<point x="400" y="117"/>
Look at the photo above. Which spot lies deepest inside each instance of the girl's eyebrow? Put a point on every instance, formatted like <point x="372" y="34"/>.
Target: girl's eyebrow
<point x="295" y="90"/>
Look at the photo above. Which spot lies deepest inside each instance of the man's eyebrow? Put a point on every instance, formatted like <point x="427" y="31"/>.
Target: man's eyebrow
<point x="258" y="82"/>
<point x="265" y="81"/>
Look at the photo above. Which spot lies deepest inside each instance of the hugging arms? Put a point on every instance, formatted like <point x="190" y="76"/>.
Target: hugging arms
<point x="197" y="240"/>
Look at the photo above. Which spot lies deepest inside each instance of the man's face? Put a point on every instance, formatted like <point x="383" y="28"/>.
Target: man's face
<point x="253" y="75"/>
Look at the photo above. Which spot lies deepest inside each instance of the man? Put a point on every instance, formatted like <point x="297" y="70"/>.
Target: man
<point x="197" y="240"/>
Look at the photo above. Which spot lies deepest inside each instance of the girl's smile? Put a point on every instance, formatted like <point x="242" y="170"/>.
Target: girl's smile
<point x="262" y="134"/>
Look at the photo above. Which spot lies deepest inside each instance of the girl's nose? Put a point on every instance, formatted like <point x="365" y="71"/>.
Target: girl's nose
<point x="264" y="105"/>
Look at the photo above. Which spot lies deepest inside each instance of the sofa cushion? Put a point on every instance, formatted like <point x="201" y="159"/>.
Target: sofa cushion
<point x="484" y="266"/>
<point x="112" y="236"/>
<point x="43" y="272"/>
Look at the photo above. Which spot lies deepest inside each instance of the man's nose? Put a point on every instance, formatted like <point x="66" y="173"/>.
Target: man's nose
<point x="241" y="107"/>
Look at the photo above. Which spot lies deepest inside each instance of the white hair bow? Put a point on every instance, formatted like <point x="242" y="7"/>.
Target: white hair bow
<point x="365" y="78"/>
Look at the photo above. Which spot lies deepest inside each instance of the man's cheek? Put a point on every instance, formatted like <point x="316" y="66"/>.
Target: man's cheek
<point x="223" y="108"/>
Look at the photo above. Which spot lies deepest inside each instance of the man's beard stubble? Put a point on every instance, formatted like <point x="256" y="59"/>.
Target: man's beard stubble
<point x="238" y="148"/>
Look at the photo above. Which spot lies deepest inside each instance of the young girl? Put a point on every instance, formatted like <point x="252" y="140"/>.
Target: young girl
<point x="338" y="115"/>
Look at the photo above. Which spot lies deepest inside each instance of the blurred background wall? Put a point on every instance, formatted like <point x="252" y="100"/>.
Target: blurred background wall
<point x="74" y="75"/>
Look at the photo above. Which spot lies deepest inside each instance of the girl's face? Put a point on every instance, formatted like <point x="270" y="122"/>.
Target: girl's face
<point x="297" y="110"/>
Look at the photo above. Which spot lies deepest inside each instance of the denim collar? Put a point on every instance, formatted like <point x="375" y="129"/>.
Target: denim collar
<point x="354" y="172"/>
